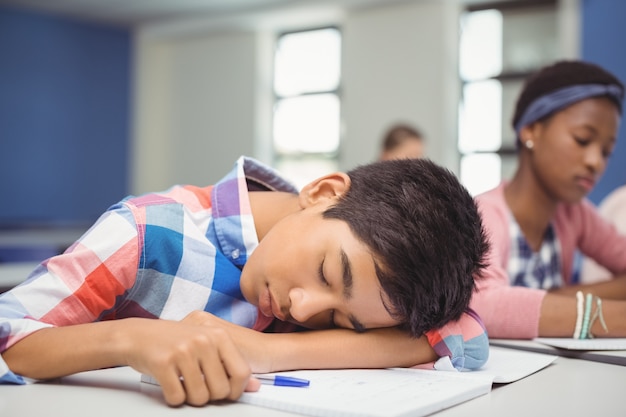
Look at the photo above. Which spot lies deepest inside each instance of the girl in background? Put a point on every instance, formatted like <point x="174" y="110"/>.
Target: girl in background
<point x="566" y="120"/>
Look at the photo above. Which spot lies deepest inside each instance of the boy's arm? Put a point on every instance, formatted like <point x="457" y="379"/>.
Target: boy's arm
<point x="193" y="363"/>
<point x="330" y="349"/>
<point x="464" y="342"/>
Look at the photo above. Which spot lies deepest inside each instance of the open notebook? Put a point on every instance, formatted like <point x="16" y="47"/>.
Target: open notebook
<point x="609" y="350"/>
<point x="394" y="392"/>
<point x="584" y="344"/>
<point x="510" y="365"/>
<point x="372" y="392"/>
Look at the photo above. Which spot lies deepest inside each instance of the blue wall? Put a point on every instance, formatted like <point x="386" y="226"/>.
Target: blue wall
<point x="603" y="35"/>
<point x="64" y="118"/>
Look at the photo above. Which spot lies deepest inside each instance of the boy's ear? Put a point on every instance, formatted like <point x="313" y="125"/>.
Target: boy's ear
<point x="325" y="190"/>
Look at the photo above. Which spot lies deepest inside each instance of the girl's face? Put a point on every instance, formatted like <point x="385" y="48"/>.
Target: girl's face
<point x="571" y="148"/>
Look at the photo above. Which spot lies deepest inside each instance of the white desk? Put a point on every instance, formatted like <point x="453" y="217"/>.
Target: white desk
<point x="571" y="387"/>
<point x="112" y="392"/>
<point x="568" y="387"/>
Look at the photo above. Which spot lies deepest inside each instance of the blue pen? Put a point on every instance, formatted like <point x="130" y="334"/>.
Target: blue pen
<point x="282" y="381"/>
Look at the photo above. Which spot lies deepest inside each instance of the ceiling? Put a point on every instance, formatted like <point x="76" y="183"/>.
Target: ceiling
<point x="138" y="12"/>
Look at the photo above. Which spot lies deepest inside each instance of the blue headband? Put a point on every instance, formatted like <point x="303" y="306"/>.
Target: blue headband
<point x="563" y="97"/>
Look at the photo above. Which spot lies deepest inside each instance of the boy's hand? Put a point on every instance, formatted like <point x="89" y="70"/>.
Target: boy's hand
<point x="193" y="363"/>
<point x="252" y="344"/>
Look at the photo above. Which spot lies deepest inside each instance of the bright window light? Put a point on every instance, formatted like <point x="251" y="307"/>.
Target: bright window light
<point x="307" y="124"/>
<point x="480" y="172"/>
<point x="480" y="121"/>
<point x="481" y="45"/>
<point x="307" y="62"/>
<point x="301" y="171"/>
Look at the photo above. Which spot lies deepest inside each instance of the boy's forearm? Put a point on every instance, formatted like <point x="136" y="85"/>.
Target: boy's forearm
<point x="340" y="348"/>
<point x="55" y="352"/>
<point x="315" y="349"/>
<point x="60" y="351"/>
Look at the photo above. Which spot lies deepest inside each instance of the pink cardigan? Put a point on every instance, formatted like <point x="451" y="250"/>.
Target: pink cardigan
<point x="513" y="312"/>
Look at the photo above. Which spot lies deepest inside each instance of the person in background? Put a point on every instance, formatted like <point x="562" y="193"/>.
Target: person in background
<point x="402" y="141"/>
<point x="566" y="121"/>
<point x="613" y="209"/>
<point x="198" y="287"/>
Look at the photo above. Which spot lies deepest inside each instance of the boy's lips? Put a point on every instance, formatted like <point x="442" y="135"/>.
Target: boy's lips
<point x="268" y="306"/>
<point x="265" y="303"/>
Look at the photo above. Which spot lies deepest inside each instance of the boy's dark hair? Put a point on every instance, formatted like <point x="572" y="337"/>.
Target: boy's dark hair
<point x="564" y="74"/>
<point x="425" y="229"/>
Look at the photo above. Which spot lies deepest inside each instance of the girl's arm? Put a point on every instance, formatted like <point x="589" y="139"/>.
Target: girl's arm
<point x="559" y="314"/>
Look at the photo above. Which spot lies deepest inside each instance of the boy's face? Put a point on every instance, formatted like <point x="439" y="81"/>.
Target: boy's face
<point x="314" y="272"/>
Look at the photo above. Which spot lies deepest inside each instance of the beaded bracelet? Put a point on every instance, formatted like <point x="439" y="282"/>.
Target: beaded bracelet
<point x="579" y="314"/>
<point x="584" y="331"/>
<point x="597" y="315"/>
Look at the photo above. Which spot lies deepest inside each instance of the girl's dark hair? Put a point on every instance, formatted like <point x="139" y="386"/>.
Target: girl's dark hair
<point x="426" y="235"/>
<point x="564" y="74"/>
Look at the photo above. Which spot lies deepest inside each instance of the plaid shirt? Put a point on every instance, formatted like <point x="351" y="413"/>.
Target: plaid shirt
<point x="164" y="255"/>
<point x="528" y="268"/>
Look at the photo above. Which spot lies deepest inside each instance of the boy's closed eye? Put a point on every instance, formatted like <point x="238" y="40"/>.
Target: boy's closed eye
<point x="324" y="281"/>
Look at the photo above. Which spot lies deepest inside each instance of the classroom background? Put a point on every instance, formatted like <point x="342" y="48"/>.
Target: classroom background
<point x="97" y="103"/>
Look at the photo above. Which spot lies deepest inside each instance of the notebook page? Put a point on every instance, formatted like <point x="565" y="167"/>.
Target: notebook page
<point x="393" y="392"/>
<point x="509" y="365"/>
<point x="584" y="344"/>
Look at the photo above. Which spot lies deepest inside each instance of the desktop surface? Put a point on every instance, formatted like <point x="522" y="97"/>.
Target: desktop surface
<point x="573" y="387"/>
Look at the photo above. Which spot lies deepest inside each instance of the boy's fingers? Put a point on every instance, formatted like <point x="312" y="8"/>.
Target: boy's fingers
<point x="209" y="368"/>
<point x="173" y="390"/>
<point x="235" y="366"/>
<point x="193" y="380"/>
<point x="216" y="379"/>
<point x="253" y="385"/>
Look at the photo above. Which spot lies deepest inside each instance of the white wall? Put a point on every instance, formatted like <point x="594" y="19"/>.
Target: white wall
<point x="203" y="96"/>
<point x="195" y="108"/>
<point x="400" y="65"/>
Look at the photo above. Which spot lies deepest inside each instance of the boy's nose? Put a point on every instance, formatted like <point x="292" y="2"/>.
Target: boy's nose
<point x="305" y="304"/>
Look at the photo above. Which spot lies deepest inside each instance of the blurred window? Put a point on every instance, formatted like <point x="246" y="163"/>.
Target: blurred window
<point x="501" y="44"/>
<point x="307" y="122"/>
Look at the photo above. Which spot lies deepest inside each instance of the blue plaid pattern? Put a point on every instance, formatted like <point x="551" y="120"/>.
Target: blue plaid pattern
<point x="160" y="255"/>
<point x="527" y="268"/>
